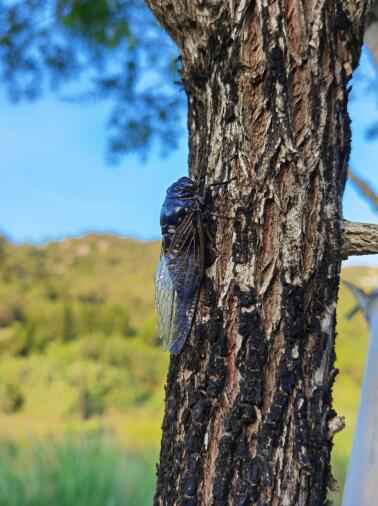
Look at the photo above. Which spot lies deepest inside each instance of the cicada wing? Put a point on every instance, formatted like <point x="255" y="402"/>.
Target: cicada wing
<point x="178" y="280"/>
<point x="187" y="280"/>
<point x="165" y="302"/>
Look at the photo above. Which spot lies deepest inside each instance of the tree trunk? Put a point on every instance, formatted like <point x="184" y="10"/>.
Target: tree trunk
<point x="248" y="416"/>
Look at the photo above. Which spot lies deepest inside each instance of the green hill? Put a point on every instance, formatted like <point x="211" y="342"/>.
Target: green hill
<point x="77" y="338"/>
<point x="78" y="346"/>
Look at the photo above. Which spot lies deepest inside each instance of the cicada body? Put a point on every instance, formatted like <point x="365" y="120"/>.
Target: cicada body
<point x="181" y="265"/>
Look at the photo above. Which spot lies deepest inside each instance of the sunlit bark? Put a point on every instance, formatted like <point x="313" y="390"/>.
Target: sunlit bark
<point x="249" y="418"/>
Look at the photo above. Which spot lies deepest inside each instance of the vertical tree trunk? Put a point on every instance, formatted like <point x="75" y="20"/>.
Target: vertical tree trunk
<point x="248" y="401"/>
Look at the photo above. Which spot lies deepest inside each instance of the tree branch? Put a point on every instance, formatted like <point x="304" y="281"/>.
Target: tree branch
<point x="371" y="30"/>
<point x="191" y="22"/>
<point x="175" y="16"/>
<point x="359" y="239"/>
<point x="365" y="188"/>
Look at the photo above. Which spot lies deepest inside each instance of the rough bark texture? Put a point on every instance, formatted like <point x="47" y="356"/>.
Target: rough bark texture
<point x="248" y="402"/>
<point x="359" y="239"/>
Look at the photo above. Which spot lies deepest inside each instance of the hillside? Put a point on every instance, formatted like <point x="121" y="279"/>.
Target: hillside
<point x="77" y="338"/>
<point x="78" y="346"/>
<point x="91" y="269"/>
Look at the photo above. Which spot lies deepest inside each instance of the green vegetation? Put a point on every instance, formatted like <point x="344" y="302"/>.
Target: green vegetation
<point x="117" y="45"/>
<point x="78" y="346"/>
<point x="79" y="354"/>
<point x="74" y="472"/>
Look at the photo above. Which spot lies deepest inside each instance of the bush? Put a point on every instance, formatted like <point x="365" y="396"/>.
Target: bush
<point x="11" y="312"/>
<point x="92" y="383"/>
<point x="69" y="331"/>
<point x="108" y="319"/>
<point x="3" y="248"/>
<point x="11" y="398"/>
<point x="149" y="331"/>
<point x="90" y="402"/>
<point x="91" y="347"/>
<point x="23" y="339"/>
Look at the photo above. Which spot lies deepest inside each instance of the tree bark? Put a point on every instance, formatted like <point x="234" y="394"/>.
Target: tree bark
<point x="359" y="239"/>
<point x="249" y="418"/>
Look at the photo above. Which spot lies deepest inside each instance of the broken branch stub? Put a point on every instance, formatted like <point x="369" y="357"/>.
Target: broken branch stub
<point x="359" y="239"/>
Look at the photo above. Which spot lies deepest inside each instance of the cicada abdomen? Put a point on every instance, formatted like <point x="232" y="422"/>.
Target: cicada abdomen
<point x="181" y="265"/>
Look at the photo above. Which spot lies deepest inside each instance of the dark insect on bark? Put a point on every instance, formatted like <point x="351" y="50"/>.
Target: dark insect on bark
<point x="182" y="262"/>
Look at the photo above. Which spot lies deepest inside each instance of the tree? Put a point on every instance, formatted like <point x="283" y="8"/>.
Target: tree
<point x="249" y="416"/>
<point x="112" y="48"/>
<point x="117" y="52"/>
<point x="69" y="324"/>
<point x="267" y="93"/>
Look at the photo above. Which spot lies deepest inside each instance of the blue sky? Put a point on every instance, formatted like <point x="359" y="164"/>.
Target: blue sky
<point x="55" y="182"/>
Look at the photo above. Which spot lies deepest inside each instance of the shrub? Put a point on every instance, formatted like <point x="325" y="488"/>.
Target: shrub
<point x="11" y="398"/>
<point x="90" y="402"/>
<point x="11" y="312"/>
<point x="92" y="383"/>
<point x="69" y="331"/>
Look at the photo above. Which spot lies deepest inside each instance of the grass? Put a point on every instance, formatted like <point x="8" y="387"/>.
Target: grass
<point x="74" y="472"/>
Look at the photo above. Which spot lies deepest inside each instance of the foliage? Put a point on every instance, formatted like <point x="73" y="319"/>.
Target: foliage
<point x="79" y="350"/>
<point x="74" y="472"/>
<point x="103" y="49"/>
<point x="78" y="329"/>
<point x="60" y="290"/>
<point x="11" y="398"/>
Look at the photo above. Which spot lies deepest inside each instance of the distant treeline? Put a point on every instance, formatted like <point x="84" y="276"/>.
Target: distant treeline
<point x="33" y="329"/>
<point x="77" y="323"/>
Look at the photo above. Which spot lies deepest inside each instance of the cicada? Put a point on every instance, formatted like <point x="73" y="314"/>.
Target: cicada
<point x="182" y="262"/>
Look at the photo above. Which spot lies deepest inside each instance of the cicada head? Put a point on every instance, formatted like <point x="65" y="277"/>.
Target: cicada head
<point x="183" y="188"/>
<point x="181" y="200"/>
